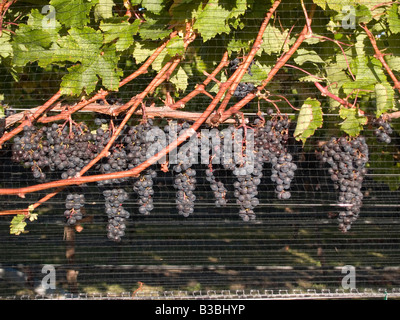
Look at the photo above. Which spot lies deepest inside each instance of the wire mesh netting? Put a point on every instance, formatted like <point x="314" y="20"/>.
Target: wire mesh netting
<point x="293" y="249"/>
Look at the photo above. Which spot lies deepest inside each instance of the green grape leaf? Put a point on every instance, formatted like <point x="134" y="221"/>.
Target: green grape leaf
<point x="155" y="6"/>
<point x="393" y="62"/>
<point x="384" y="98"/>
<point x="353" y="122"/>
<point x="310" y="118"/>
<point x="142" y="51"/>
<point x="273" y="40"/>
<point x="73" y="13"/>
<point x="393" y="18"/>
<point x="33" y="40"/>
<point x="18" y="224"/>
<point x="121" y="31"/>
<point x="211" y="20"/>
<point x="259" y="73"/>
<point x="161" y="60"/>
<point x="236" y="45"/>
<point x="84" y="76"/>
<point x="153" y="29"/>
<point x="103" y="9"/>
<point x="180" y="79"/>
<point x="6" y="49"/>
<point x="307" y="55"/>
<point x="175" y="46"/>
<point x="85" y="47"/>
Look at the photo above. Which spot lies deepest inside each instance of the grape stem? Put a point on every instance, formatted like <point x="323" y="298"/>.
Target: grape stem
<point x="380" y="56"/>
<point x="280" y="63"/>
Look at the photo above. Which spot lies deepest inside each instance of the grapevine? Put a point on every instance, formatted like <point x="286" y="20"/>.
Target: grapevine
<point x="117" y="147"/>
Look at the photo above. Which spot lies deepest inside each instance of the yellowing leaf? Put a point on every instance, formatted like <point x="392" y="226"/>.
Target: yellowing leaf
<point x="309" y="119"/>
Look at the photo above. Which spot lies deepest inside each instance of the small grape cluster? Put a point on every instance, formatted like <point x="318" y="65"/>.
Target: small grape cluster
<point x="234" y="65"/>
<point x="30" y="150"/>
<point x="143" y="186"/>
<point x="117" y="215"/>
<point x="383" y="130"/>
<point x="271" y="143"/>
<point x="217" y="187"/>
<point x="185" y="176"/>
<point x="243" y="89"/>
<point x="74" y="203"/>
<point x="246" y="191"/>
<point x="185" y="184"/>
<point x="347" y="159"/>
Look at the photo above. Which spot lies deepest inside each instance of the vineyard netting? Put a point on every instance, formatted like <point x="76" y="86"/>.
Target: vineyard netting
<point x="169" y="149"/>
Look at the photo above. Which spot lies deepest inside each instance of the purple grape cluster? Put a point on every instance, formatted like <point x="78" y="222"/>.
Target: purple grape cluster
<point x="347" y="158"/>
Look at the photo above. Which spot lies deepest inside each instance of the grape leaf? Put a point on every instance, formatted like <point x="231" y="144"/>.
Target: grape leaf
<point x="175" y="46"/>
<point x="180" y="79"/>
<point x="73" y="13"/>
<point x="142" y="51"/>
<point x="85" y="46"/>
<point x="84" y="76"/>
<point x="103" y="9"/>
<point x="153" y="29"/>
<point x="32" y="41"/>
<point x="273" y="40"/>
<point x="259" y="72"/>
<point x="155" y="6"/>
<point x="18" y="224"/>
<point x="121" y="31"/>
<point x="353" y="122"/>
<point x="6" y="49"/>
<point x="384" y="98"/>
<point x="307" y="55"/>
<point x="393" y="18"/>
<point x="310" y="118"/>
<point x="393" y="62"/>
<point x="211" y="20"/>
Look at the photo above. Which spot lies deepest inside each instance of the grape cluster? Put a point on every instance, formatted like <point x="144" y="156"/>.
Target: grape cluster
<point x="30" y="151"/>
<point x="271" y="143"/>
<point x="57" y="148"/>
<point x="117" y="215"/>
<point x="116" y="161"/>
<point x="217" y="187"/>
<point x="234" y="65"/>
<point x="246" y="191"/>
<point x="185" y="175"/>
<point x="143" y="186"/>
<point x="347" y="159"/>
<point x="243" y="89"/>
<point x="73" y="203"/>
<point x="383" y="130"/>
<point x="137" y="143"/>
<point x="246" y="166"/>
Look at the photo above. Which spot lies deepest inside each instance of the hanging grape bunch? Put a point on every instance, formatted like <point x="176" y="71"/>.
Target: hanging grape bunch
<point x="383" y="129"/>
<point x="138" y="143"/>
<point x="271" y="144"/>
<point x="185" y="175"/>
<point x="66" y="148"/>
<point x="347" y="158"/>
<point x="243" y="88"/>
<point x="73" y="204"/>
<point x="116" y="213"/>
<point x="208" y="155"/>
